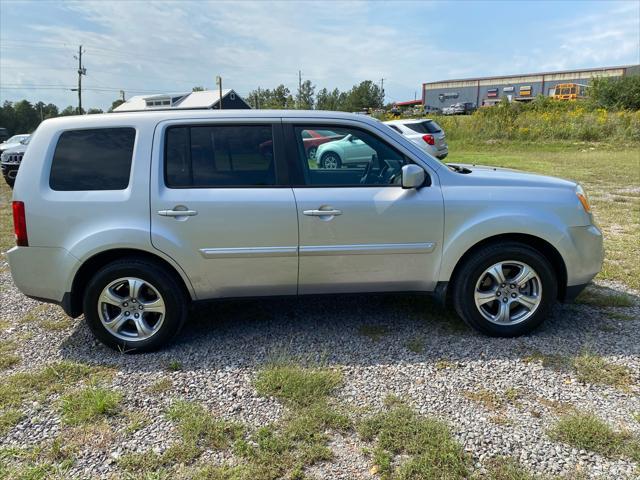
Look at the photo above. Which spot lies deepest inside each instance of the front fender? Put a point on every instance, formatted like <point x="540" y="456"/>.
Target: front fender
<point x="460" y="238"/>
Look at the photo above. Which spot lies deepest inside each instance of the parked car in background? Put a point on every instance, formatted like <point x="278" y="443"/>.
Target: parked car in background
<point x="130" y="217"/>
<point x="312" y="139"/>
<point x="14" y="141"/>
<point x="4" y="134"/>
<point x="466" y="108"/>
<point x="425" y="133"/>
<point x="10" y="161"/>
<point x="348" y="151"/>
<point x="429" y="110"/>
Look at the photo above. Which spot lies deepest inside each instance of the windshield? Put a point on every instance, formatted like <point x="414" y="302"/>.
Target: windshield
<point x="428" y="126"/>
<point x="16" y="138"/>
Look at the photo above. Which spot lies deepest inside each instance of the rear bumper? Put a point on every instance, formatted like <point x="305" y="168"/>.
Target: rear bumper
<point x="43" y="273"/>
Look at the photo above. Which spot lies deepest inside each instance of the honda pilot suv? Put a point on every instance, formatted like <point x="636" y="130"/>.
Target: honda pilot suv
<point x="127" y="218"/>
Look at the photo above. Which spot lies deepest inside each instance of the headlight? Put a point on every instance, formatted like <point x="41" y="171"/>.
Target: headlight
<point x="582" y="196"/>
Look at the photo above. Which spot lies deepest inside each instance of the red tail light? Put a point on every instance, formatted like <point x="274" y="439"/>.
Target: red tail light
<point x="428" y="138"/>
<point x="20" y="224"/>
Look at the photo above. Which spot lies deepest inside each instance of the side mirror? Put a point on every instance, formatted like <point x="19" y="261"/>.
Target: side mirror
<point x="412" y="176"/>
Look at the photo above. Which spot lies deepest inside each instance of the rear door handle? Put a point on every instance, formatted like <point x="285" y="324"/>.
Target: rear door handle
<point x="177" y="213"/>
<point x="322" y="213"/>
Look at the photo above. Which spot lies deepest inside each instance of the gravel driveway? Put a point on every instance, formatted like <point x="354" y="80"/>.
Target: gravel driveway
<point x="495" y="394"/>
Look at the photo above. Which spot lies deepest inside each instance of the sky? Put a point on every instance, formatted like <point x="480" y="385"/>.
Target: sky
<point x="172" y="46"/>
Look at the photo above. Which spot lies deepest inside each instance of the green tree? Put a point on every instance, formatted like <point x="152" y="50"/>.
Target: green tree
<point x="115" y="104"/>
<point x="198" y="89"/>
<point x="334" y="100"/>
<point x="93" y="111"/>
<point x="363" y="96"/>
<point x="70" y="110"/>
<point x="27" y="118"/>
<point x="305" y="97"/>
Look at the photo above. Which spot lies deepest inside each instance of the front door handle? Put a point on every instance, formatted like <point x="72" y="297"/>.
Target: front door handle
<point x="322" y="213"/>
<point x="177" y="213"/>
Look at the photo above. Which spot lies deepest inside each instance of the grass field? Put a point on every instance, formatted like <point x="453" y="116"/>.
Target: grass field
<point x="611" y="177"/>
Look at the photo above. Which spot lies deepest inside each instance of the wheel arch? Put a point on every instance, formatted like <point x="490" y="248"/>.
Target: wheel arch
<point x="539" y="244"/>
<point x="99" y="260"/>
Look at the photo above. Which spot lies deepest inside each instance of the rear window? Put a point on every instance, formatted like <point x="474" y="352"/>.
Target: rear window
<point x="424" y="127"/>
<point x="219" y="156"/>
<point x="93" y="159"/>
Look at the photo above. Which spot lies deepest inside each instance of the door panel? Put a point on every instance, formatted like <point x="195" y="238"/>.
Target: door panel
<point x="236" y="241"/>
<point x="385" y="239"/>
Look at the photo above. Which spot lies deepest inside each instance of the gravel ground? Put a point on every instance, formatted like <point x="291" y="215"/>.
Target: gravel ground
<point x="224" y="344"/>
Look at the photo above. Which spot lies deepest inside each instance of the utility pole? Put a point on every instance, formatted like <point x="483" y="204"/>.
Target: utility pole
<point x="299" y="88"/>
<point x="219" y="83"/>
<point x="258" y="99"/>
<point x="122" y="95"/>
<point x="81" y="71"/>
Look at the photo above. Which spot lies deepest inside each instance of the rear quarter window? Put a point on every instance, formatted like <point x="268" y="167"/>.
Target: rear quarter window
<point x="93" y="159"/>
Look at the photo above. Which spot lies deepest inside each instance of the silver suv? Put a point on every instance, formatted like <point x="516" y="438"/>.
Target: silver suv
<point x="129" y="217"/>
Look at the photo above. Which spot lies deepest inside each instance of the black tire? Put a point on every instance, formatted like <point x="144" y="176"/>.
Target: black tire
<point x="311" y="153"/>
<point x="326" y="156"/>
<point x="467" y="276"/>
<point x="172" y="292"/>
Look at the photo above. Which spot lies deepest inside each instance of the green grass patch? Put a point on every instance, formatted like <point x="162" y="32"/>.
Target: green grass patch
<point x="624" y="317"/>
<point x="174" y="366"/>
<point x="53" y="378"/>
<point x="374" y="332"/>
<point x="602" y="169"/>
<point x="505" y="468"/>
<point x="296" y="386"/>
<point x="161" y="386"/>
<point x="488" y="399"/>
<point x="47" y="461"/>
<point x="591" y="368"/>
<point x="9" y="418"/>
<point x="198" y="430"/>
<point x="90" y="404"/>
<point x="416" y="344"/>
<point x="431" y="450"/>
<point x="597" y="297"/>
<point x="7" y="356"/>
<point x="588" y="432"/>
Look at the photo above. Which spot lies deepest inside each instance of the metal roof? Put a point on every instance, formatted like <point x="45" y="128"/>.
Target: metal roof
<point x="578" y="70"/>
<point x="174" y="101"/>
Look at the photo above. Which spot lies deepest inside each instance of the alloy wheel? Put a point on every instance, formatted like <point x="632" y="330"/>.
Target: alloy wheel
<point x="508" y="292"/>
<point x="131" y="309"/>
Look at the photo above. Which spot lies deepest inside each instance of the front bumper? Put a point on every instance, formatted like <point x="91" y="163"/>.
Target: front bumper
<point x="585" y="257"/>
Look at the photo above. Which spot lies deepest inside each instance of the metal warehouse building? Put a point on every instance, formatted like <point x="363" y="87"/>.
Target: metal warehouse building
<point x="486" y="90"/>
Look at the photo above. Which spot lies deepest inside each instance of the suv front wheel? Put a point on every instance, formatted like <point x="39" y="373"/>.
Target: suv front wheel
<point x="134" y="305"/>
<point x="505" y="290"/>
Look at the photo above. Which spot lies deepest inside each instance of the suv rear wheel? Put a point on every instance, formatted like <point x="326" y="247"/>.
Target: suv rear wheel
<point x="134" y="305"/>
<point x="505" y="290"/>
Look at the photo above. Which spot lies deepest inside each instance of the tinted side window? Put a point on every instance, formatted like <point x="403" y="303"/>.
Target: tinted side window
<point x="94" y="159"/>
<point x="428" y="126"/>
<point x="219" y="156"/>
<point x="348" y="157"/>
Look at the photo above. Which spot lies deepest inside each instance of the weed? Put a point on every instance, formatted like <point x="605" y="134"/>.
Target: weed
<point x="161" y="386"/>
<point x="625" y="317"/>
<point x="488" y="399"/>
<point x="174" y="366"/>
<point x="374" y="332"/>
<point x="54" y="378"/>
<point x="431" y="449"/>
<point x="591" y="368"/>
<point x="197" y="426"/>
<point x="7" y="357"/>
<point x="296" y="386"/>
<point x="56" y="325"/>
<point x="445" y="364"/>
<point x="599" y="298"/>
<point x="89" y="404"/>
<point x="416" y="345"/>
<point x="505" y="468"/>
<point x="9" y="419"/>
<point x="588" y="432"/>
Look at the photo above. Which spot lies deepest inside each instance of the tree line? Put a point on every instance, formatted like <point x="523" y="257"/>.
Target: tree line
<point x="24" y="116"/>
<point x="365" y="95"/>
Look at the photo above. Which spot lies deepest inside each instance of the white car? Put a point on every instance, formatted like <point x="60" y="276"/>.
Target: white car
<point x="425" y="133"/>
<point x="15" y="141"/>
